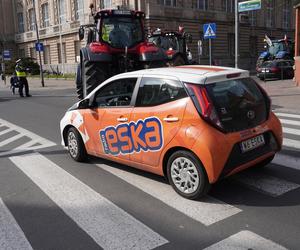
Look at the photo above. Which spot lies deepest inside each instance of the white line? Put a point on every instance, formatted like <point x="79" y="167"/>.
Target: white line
<point x="290" y="122"/>
<point x="206" y="211"/>
<point x="265" y="183"/>
<point x="287" y="161"/>
<point x="245" y="240"/>
<point x="11" y="139"/>
<point x="291" y="143"/>
<point x="288" y="115"/>
<point x="291" y="131"/>
<point x="110" y="226"/>
<point x="11" y="235"/>
<point x="5" y="131"/>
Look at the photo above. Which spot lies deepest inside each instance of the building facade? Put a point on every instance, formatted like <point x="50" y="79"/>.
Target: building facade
<point x="59" y="20"/>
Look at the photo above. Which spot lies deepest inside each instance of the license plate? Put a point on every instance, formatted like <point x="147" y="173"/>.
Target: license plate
<point x="252" y="143"/>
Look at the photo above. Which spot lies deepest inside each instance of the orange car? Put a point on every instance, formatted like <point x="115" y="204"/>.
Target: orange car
<point x="192" y="124"/>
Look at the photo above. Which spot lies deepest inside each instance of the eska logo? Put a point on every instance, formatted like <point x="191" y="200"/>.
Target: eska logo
<point x="146" y="135"/>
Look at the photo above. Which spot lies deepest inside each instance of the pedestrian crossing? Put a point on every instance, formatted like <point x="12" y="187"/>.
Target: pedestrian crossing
<point x="110" y="226"/>
<point x="15" y="139"/>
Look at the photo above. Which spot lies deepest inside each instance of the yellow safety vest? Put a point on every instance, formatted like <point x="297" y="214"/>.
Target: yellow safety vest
<point x="20" y="72"/>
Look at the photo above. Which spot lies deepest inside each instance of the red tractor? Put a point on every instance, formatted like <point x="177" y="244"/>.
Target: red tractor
<point x="116" y="43"/>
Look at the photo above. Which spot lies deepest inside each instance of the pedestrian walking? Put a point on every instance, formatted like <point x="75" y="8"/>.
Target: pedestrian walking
<point x="21" y="74"/>
<point x="14" y="83"/>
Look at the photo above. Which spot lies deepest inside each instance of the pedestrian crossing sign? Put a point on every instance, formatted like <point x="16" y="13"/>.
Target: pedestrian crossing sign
<point x="209" y="31"/>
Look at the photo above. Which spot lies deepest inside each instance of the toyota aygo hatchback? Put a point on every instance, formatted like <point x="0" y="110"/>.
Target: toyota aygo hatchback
<point x="191" y="124"/>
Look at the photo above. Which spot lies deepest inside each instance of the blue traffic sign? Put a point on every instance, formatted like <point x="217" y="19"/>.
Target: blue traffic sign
<point x="210" y="31"/>
<point x="39" y="47"/>
<point x="6" y="55"/>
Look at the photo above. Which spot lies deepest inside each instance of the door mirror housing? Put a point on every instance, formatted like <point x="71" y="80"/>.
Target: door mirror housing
<point x="85" y="104"/>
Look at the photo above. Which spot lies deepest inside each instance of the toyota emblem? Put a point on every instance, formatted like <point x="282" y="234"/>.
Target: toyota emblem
<point x="251" y="114"/>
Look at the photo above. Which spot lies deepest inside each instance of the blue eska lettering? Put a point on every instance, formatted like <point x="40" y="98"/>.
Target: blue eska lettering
<point x="143" y="135"/>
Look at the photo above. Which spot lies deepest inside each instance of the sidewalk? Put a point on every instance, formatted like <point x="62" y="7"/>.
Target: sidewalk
<point x="285" y="95"/>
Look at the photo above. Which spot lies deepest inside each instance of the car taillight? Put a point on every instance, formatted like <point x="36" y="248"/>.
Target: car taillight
<point x="203" y="104"/>
<point x="170" y="52"/>
<point x="97" y="47"/>
<point x="148" y="48"/>
<point x="275" y="70"/>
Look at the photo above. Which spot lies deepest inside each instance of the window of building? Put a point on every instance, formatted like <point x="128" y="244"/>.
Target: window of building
<point x="45" y="15"/>
<point x="107" y="3"/>
<point x="78" y="5"/>
<point x="253" y="46"/>
<point x="46" y="54"/>
<point x="21" y="53"/>
<point x="61" y="11"/>
<point x="252" y="18"/>
<point x="33" y="52"/>
<point x="20" y="18"/>
<point x="228" y="5"/>
<point x="202" y="4"/>
<point x="77" y="46"/>
<point x="270" y="13"/>
<point x="231" y="44"/>
<point x="287" y="14"/>
<point x="61" y="54"/>
<point x="31" y="19"/>
<point x="167" y="2"/>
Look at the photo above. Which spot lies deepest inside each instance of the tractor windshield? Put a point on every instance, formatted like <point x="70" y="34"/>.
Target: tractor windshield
<point x="165" y="42"/>
<point x="121" y="32"/>
<point x="276" y="47"/>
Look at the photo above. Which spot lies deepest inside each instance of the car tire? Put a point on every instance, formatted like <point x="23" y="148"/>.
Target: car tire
<point x="93" y="74"/>
<point x="76" y="146"/>
<point x="187" y="175"/>
<point x="79" y="86"/>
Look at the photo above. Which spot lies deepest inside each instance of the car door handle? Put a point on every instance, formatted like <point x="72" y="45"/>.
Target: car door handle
<point x="171" y="119"/>
<point x="122" y="119"/>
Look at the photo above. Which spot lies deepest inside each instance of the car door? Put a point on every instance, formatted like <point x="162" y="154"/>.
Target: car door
<point x="156" y="117"/>
<point x="108" y="121"/>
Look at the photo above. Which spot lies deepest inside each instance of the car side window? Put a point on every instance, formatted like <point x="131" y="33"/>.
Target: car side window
<point x="115" y="94"/>
<point x="156" y="91"/>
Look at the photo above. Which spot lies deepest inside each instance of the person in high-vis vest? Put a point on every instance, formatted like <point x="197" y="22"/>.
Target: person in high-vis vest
<point x="21" y="74"/>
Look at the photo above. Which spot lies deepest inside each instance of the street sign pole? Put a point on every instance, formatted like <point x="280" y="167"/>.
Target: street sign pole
<point x="38" y="41"/>
<point x="209" y="32"/>
<point x="236" y="34"/>
<point x="210" y="52"/>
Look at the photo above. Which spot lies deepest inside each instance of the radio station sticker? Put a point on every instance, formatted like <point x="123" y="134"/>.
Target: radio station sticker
<point x="126" y="138"/>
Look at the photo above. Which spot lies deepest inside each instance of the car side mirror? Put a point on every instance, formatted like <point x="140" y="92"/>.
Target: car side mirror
<point x="85" y="104"/>
<point x="81" y="33"/>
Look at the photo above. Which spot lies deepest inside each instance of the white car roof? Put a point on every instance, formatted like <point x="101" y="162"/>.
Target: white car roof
<point x="198" y="74"/>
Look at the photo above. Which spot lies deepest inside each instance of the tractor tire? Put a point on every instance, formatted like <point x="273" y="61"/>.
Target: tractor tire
<point x="79" y="86"/>
<point x="93" y="74"/>
<point x="177" y="61"/>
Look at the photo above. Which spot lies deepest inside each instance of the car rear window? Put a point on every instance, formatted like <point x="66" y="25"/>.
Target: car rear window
<point x="239" y="103"/>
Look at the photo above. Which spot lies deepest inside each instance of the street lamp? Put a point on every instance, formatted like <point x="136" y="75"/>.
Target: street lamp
<point x="58" y="2"/>
<point x="38" y="41"/>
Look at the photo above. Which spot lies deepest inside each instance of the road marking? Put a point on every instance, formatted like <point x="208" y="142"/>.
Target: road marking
<point x="290" y="122"/>
<point x="291" y="131"/>
<point x="10" y="139"/>
<point x="288" y="115"/>
<point x="291" y="143"/>
<point x="11" y="235"/>
<point x="110" y="226"/>
<point x="22" y="132"/>
<point x="245" y="240"/>
<point x="207" y="211"/>
<point x="287" y="161"/>
<point x="265" y="183"/>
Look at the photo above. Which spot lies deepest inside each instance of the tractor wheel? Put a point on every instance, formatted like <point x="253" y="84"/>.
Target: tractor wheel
<point x="178" y="60"/>
<point x="79" y="86"/>
<point x="93" y="73"/>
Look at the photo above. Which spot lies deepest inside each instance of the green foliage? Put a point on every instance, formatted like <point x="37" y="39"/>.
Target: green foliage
<point x="34" y="68"/>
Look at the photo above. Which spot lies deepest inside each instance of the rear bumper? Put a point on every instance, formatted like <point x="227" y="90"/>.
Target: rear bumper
<point x="268" y="75"/>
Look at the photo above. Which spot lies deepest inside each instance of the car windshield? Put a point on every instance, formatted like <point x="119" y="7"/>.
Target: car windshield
<point x="268" y="64"/>
<point x="276" y="47"/>
<point x="121" y="32"/>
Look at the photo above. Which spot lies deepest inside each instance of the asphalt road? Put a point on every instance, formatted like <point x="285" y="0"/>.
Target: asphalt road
<point x="48" y="201"/>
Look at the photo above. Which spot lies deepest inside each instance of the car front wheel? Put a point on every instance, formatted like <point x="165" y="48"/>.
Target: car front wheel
<point x="76" y="146"/>
<point x="187" y="176"/>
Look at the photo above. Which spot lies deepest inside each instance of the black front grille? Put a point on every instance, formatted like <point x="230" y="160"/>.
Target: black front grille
<point x="237" y="158"/>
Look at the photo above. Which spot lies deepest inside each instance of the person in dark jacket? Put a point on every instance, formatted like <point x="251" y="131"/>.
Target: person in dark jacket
<point x="21" y="74"/>
<point x="14" y="82"/>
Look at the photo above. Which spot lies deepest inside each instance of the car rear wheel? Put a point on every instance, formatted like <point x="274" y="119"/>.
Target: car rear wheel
<point x="187" y="176"/>
<point x="76" y="146"/>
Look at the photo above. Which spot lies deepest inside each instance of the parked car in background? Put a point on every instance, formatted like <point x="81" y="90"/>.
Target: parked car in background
<point x="279" y="69"/>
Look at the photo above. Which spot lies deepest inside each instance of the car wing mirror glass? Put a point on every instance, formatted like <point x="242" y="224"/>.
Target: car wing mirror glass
<point x="84" y="104"/>
<point x="81" y="33"/>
